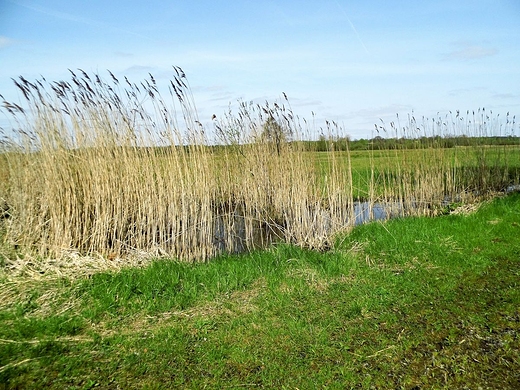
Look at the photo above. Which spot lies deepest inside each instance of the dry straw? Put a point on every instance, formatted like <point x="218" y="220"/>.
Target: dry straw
<point x="112" y="170"/>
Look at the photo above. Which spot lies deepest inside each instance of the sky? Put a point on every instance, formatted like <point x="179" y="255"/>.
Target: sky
<point x="351" y="61"/>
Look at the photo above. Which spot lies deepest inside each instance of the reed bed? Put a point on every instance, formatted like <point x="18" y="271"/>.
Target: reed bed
<point x="423" y="180"/>
<point x="108" y="168"/>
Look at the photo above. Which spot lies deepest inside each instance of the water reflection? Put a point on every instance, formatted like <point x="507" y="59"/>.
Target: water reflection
<point x="236" y="232"/>
<point x="366" y="212"/>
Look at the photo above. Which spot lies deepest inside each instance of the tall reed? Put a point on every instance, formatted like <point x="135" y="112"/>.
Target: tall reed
<point x="113" y="168"/>
<point x="421" y="179"/>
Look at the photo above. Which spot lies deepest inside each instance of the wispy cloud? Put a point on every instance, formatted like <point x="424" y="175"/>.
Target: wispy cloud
<point x="466" y="91"/>
<point x="385" y="112"/>
<point x="123" y="54"/>
<point x="505" y="96"/>
<point x="139" y="69"/>
<point x="467" y="52"/>
<point x="73" y="18"/>
<point x="352" y="26"/>
<point x="5" y="41"/>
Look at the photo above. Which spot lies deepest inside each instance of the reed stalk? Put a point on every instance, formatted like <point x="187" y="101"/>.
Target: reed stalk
<point x="113" y="169"/>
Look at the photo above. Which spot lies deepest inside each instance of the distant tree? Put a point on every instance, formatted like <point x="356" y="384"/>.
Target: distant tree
<point x="274" y="133"/>
<point x="321" y="145"/>
<point x="342" y="143"/>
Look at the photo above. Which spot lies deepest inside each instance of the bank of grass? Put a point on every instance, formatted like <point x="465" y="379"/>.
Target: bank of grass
<point x="411" y="303"/>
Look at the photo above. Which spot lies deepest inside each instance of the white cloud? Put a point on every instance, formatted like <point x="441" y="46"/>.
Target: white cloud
<point x="505" y="96"/>
<point x="466" y="91"/>
<point x="4" y="41"/>
<point x="139" y="69"/>
<point x="123" y="54"/>
<point x="383" y="112"/>
<point x="467" y="51"/>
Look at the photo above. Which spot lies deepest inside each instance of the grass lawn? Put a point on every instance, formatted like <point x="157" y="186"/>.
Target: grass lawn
<point x="415" y="303"/>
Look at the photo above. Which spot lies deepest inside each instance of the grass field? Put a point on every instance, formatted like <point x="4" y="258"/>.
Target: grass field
<point x="409" y="303"/>
<point x="464" y="162"/>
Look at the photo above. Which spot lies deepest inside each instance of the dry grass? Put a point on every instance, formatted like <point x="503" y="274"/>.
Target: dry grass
<point x="85" y="179"/>
<point x="103" y="174"/>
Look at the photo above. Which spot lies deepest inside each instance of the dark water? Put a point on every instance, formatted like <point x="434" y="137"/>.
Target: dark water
<point x="234" y="233"/>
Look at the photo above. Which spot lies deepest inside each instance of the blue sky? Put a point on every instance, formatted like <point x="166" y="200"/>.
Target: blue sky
<point x="352" y="61"/>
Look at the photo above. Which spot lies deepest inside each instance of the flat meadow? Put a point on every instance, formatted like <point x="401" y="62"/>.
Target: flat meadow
<point x="138" y="252"/>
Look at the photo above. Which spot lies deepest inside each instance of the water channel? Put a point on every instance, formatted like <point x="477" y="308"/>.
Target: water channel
<point x="235" y="233"/>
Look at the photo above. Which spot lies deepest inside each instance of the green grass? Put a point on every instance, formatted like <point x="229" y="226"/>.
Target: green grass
<point x="497" y="160"/>
<point x="412" y="303"/>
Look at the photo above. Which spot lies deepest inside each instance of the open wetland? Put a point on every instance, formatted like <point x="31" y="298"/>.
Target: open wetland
<point x="136" y="252"/>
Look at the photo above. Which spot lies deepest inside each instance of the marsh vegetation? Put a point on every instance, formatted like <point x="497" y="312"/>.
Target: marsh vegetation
<point x="110" y="169"/>
<point x="413" y="303"/>
<point x="97" y="176"/>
